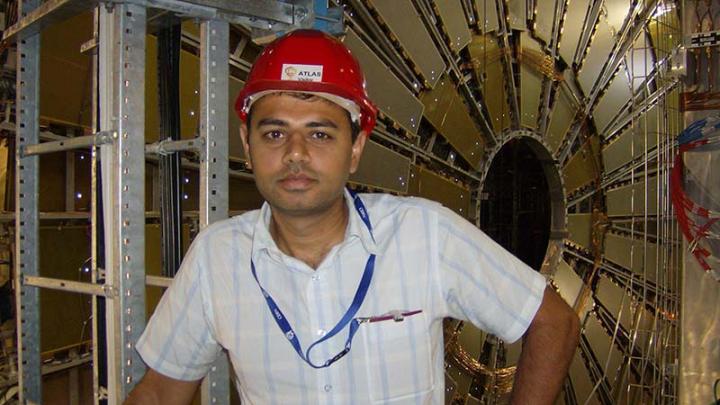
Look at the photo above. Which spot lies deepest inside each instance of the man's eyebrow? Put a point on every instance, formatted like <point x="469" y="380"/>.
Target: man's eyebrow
<point x="321" y="124"/>
<point x="312" y="124"/>
<point x="272" y="121"/>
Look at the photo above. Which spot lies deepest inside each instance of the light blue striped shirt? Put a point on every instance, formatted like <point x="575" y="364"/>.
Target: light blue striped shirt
<point x="428" y="258"/>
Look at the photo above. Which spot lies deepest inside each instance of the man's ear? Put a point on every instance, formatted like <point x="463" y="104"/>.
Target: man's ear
<point x="244" y="137"/>
<point x="357" y="150"/>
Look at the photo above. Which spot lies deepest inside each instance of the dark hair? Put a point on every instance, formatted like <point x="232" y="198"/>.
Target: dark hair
<point x="354" y="125"/>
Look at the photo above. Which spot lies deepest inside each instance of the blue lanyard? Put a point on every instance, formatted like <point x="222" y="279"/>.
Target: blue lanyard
<point x="349" y="316"/>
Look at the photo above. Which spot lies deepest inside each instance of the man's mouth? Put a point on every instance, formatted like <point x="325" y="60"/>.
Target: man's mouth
<point x="296" y="181"/>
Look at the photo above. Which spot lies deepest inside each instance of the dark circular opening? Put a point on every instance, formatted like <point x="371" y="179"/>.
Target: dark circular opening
<point x="516" y="206"/>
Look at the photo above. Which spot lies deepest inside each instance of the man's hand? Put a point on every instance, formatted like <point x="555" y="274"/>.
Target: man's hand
<point x="548" y="348"/>
<point x="158" y="389"/>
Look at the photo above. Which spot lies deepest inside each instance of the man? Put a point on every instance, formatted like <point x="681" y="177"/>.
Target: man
<point x="323" y="296"/>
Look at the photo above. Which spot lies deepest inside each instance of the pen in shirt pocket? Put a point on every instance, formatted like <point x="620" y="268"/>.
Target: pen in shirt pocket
<point x="396" y="315"/>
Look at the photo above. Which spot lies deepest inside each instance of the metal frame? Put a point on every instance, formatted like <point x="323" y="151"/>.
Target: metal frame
<point x="26" y="214"/>
<point x="214" y="54"/>
<point x="121" y="32"/>
<point x="122" y="70"/>
<point x="626" y="39"/>
<point x="263" y="15"/>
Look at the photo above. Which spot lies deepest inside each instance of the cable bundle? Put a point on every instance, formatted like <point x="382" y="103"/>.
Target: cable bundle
<point x="695" y="221"/>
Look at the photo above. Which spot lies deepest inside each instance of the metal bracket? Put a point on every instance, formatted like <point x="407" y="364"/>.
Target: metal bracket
<point x="167" y="146"/>
<point x="104" y="290"/>
<point x="100" y="138"/>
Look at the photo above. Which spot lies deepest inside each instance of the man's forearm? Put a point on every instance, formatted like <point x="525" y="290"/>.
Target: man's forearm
<point x="548" y="349"/>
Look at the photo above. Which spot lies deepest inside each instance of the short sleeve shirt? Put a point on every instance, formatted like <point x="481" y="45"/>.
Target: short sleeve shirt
<point x="429" y="261"/>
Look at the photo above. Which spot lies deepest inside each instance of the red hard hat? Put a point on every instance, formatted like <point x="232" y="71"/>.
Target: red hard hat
<point x="309" y="61"/>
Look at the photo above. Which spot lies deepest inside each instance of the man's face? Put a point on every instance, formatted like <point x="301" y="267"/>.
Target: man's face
<point x="301" y="152"/>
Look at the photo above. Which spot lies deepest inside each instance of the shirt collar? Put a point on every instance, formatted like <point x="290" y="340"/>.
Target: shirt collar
<point x="356" y="226"/>
<point x="262" y="240"/>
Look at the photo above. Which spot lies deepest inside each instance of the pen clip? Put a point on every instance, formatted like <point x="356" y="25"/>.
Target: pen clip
<point x="396" y="315"/>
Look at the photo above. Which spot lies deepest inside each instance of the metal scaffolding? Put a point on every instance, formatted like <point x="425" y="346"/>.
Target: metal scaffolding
<point x="119" y="150"/>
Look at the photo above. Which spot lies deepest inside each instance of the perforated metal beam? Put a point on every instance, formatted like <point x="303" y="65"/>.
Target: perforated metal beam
<point x="214" y="51"/>
<point x="122" y="95"/>
<point x="26" y="214"/>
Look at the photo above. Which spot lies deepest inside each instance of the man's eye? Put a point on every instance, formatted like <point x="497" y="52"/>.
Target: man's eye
<point x="321" y="136"/>
<point x="273" y="135"/>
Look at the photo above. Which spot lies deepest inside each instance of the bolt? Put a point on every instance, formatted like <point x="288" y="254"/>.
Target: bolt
<point x="301" y="13"/>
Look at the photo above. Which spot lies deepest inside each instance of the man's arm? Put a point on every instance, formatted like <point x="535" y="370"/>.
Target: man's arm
<point x="158" y="389"/>
<point x="548" y="348"/>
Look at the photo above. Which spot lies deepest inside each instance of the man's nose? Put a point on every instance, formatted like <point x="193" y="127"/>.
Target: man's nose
<point x="296" y="150"/>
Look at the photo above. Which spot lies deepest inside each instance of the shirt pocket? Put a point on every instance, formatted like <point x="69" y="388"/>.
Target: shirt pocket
<point x="398" y="359"/>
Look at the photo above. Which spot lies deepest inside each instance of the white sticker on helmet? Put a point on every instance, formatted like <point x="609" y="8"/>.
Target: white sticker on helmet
<point x="302" y="73"/>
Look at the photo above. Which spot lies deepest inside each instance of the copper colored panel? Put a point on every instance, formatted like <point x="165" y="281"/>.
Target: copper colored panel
<point x="612" y="100"/>
<point x="63" y="251"/>
<point x="617" y="12"/>
<point x="580" y="229"/>
<point x="424" y="183"/>
<point x="618" y="301"/>
<point x="447" y="112"/>
<point x="619" y="151"/>
<point x="530" y="96"/>
<point x="674" y="118"/>
<point x="581" y="382"/>
<point x="633" y="254"/>
<point x="513" y="351"/>
<point x="600" y="48"/>
<point x="630" y="144"/>
<point x="568" y="282"/>
<point x="531" y="79"/>
<point x="461" y="379"/>
<point x="633" y="199"/>
<point x="487" y="15"/>
<point x="454" y="22"/>
<point x="65" y="73"/>
<point x="563" y="113"/>
<point x="405" y="24"/>
<point x="384" y="88"/>
<point x="572" y="28"/>
<point x="486" y="61"/>
<point x="583" y="167"/>
<point x="51" y="183"/>
<point x="640" y="60"/>
<point x="666" y="32"/>
<point x="615" y="299"/>
<point x="543" y="24"/>
<point x="517" y="10"/>
<point x="471" y="339"/>
<point x="382" y="168"/>
<point x="235" y="144"/>
<point x="603" y="348"/>
<point x="648" y="124"/>
<point x="243" y="195"/>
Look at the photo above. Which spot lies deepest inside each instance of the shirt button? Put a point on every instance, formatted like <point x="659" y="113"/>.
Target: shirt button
<point x="327" y="387"/>
<point x="321" y="332"/>
<point x="315" y="277"/>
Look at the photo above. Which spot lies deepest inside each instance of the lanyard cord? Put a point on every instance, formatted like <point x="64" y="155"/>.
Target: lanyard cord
<point x="349" y="316"/>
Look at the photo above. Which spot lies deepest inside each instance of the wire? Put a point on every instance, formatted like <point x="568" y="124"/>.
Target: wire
<point x="694" y="220"/>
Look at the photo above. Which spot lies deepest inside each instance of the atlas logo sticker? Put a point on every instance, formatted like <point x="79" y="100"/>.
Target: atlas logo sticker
<point x="302" y="73"/>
